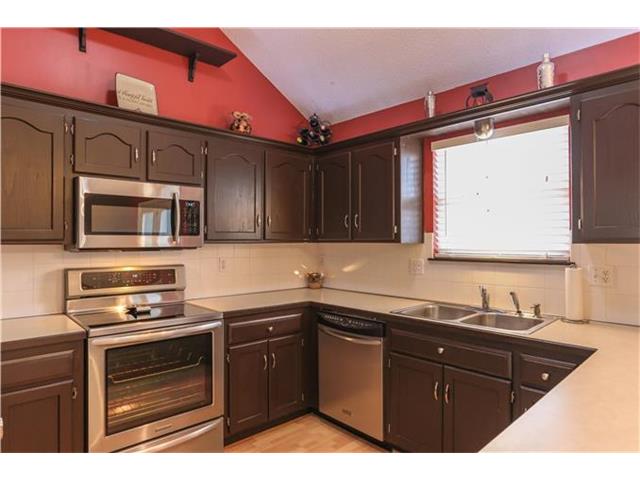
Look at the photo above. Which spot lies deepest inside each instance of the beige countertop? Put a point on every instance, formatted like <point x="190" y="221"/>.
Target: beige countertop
<point x="38" y="328"/>
<point x="596" y="408"/>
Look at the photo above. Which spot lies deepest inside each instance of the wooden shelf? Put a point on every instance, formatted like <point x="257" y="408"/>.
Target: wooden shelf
<point x="193" y="49"/>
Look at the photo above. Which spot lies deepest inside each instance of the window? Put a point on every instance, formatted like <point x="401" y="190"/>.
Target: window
<point x="506" y="197"/>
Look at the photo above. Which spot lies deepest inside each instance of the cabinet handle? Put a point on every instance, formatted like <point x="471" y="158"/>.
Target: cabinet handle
<point x="268" y="220"/>
<point x="544" y="376"/>
<point x="435" y="390"/>
<point x="270" y="328"/>
<point x="346" y="221"/>
<point x="266" y="362"/>
<point x="446" y="394"/>
<point x="136" y="155"/>
<point x="273" y="360"/>
<point x="355" y="222"/>
<point x="74" y="393"/>
<point x="153" y="157"/>
<point x="258" y="220"/>
<point x="440" y="350"/>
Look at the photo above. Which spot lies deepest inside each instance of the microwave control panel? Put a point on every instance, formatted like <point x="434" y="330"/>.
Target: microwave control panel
<point x="189" y="217"/>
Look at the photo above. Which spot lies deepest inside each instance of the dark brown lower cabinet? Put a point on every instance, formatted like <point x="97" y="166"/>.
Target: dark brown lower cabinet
<point x="42" y="399"/>
<point x="527" y="398"/>
<point x="248" y="386"/>
<point x="415" y="404"/>
<point x="285" y="379"/>
<point x="437" y="408"/>
<point x="476" y="409"/>
<point x="264" y="382"/>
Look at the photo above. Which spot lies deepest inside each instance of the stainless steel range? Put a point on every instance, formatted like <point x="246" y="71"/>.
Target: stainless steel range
<point x="154" y="361"/>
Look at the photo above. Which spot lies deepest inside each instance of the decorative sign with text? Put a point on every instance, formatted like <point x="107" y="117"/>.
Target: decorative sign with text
<point x="135" y="94"/>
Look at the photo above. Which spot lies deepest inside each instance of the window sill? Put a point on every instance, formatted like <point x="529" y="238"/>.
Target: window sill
<point x="517" y="261"/>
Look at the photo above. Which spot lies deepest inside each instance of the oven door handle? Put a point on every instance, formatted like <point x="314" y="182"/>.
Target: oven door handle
<point x="174" y="441"/>
<point x="175" y="221"/>
<point x="155" y="335"/>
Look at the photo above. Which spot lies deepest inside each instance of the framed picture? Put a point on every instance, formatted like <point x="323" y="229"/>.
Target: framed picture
<point x="135" y="94"/>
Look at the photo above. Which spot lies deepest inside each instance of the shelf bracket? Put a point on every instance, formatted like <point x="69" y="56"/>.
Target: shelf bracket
<point x="193" y="60"/>
<point x="82" y="39"/>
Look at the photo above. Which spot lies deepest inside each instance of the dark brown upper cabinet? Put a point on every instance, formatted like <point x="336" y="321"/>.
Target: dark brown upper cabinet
<point x="175" y="157"/>
<point x="333" y="197"/>
<point x="33" y="155"/>
<point x="287" y="196"/>
<point x="105" y="146"/>
<point x="374" y="192"/>
<point x="476" y="409"/>
<point x="606" y="165"/>
<point x="235" y="182"/>
<point x="415" y="404"/>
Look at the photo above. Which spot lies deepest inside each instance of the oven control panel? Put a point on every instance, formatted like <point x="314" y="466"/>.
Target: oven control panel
<point x="189" y="217"/>
<point x="354" y="324"/>
<point x="127" y="278"/>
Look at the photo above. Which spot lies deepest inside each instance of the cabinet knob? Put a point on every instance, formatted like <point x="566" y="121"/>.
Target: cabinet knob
<point x="440" y="350"/>
<point x="270" y="328"/>
<point x="544" y="376"/>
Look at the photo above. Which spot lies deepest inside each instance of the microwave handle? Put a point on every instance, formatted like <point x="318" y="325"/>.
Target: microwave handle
<point x="175" y="230"/>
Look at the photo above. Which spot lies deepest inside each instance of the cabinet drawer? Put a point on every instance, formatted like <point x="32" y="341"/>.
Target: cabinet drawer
<point x="472" y="357"/>
<point x="264" y="328"/>
<point x="543" y="373"/>
<point x="43" y="368"/>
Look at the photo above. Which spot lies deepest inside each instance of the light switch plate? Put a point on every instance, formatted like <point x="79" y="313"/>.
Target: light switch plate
<point x="416" y="266"/>
<point x="601" y="275"/>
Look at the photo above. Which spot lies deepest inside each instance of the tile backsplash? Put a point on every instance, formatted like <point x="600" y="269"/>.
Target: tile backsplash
<point x="33" y="280"/>
<point x="33" y="275"/>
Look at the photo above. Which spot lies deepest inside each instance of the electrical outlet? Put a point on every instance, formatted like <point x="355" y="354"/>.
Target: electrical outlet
<point x="222" y="264"/>
<point x="416" y="266"/>
<point x="601" y="275"/>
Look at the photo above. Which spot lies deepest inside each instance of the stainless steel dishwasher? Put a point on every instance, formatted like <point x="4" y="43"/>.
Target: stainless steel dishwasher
<point x="350" y="362"/>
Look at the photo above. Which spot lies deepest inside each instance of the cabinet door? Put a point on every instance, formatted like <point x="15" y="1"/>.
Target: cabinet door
<point x="38" y="419"/>
<point x="476" y="409"/>
<point x="333" y="197"/>
<point x="105" y="146"/>
<point x="415" y="404"/>
<point x="527" y="398"/>
<point x="285" y="376"/>
<point x="606" y="163"/>
<point x="288" y="196"/>
<point x="175" y="157"/>
<point x="235" y="176"/>
<point x="374" y="193"/>
<point x="33" y="155"/>
<point x="248" y="386"/>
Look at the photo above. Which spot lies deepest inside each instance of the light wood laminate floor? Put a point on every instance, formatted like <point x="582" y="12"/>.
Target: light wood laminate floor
<point x="306" y="434"/>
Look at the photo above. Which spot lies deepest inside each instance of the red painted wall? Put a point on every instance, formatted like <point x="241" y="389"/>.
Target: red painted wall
<point x="619" y="53"/>
<point x="48" y="59"/>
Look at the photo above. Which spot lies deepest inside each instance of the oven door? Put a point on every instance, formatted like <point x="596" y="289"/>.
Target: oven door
<point x="145" y="385"/>
<point x="123" y="214"/>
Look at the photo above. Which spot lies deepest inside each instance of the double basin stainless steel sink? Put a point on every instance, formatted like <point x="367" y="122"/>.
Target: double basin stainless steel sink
<point x="524" y="324"/>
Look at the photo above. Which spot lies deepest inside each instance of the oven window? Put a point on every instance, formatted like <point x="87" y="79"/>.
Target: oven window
<point x="117" y="215"/>
<point x="156" y="380"/>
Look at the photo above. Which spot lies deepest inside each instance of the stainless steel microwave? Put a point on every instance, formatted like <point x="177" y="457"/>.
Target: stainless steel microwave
<point x="121" y="214"/>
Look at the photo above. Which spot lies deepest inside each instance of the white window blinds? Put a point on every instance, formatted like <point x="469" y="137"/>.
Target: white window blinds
<point x="506" y="197"/>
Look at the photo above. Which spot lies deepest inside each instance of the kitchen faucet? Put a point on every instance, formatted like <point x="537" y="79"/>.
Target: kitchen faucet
<point x="516" y="302"/>
<point x="485" y="297"/>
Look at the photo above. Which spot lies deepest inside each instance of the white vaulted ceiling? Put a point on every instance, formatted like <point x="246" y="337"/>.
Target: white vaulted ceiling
<point x="344" y="73"/>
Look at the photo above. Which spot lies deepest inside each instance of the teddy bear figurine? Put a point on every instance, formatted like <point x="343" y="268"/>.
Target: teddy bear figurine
<point x="241" y="123"/>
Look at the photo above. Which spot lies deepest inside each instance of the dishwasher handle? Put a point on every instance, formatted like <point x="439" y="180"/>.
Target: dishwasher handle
<point x="356" y="339"/>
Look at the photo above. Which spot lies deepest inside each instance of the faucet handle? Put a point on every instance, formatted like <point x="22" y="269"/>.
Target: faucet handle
<point x="536" y="310"/>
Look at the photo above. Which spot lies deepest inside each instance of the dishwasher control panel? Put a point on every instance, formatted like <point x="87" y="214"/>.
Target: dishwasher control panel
<point x="353" y="324"/>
